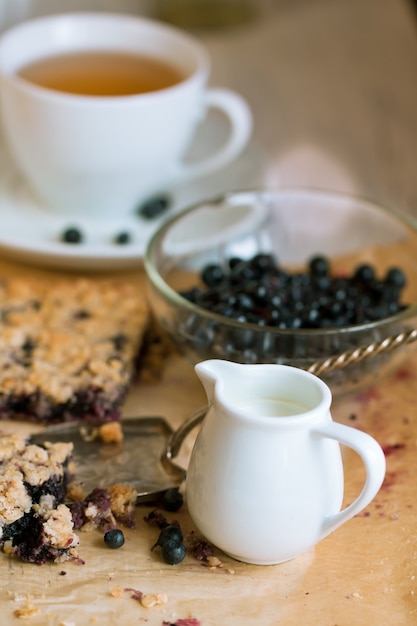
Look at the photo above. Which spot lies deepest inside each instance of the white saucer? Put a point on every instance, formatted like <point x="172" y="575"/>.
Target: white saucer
<point x="30" y="232"/>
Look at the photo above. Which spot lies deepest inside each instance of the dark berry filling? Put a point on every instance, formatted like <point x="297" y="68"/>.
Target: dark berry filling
<point x="90" y="405"/>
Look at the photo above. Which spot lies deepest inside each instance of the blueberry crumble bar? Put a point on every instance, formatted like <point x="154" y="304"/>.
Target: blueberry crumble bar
<point x="68" y="350"/>
<point x="35" y="525"/>
<point x="42" y="508"/>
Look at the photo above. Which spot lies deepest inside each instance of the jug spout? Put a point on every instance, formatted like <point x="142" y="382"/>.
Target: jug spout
<point x="212" y="371"/>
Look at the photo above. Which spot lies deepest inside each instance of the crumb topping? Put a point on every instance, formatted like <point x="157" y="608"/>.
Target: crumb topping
<point x="58" y="528"/>
<point x="10" y="445"/>
<point x="46" y="503"/>
<point x="14" y="498"/>
<point x="24" y="465"/>
<point x="35" y="464"/>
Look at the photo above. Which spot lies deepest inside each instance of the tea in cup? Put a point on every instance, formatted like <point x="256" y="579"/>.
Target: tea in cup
<point x="265" y="478"/>
<point x="99" y="110"/>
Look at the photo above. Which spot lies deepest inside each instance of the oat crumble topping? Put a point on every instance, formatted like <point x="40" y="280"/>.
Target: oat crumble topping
<point x="58" y="528"/>
<point x="14" y="498"/>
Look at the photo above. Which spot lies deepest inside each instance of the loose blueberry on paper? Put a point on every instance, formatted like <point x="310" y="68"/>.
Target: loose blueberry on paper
<point x="172" y="499"/>
<point x="171" y="542"/>
<point x="114" y="538"/>
<point x="173" y="552"/>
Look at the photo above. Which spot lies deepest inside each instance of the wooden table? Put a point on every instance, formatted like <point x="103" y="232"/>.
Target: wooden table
<point x="347" y="120"/>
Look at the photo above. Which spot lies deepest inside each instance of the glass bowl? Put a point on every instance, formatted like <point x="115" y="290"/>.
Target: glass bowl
<point x="293" y="225"/>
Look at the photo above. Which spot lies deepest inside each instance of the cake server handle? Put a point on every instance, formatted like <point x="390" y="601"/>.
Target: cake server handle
<point x="177" y="438"/>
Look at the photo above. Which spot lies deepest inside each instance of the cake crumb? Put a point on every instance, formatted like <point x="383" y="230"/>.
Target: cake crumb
<point x="149" y="600"/>
<point x="123" y="502"/>
<point x="116" y="592"/>
<point x="213" y="562"/>
<point x="28" y="611"/>
<point x="111" y="432"/>
<point x="356" y="595"/>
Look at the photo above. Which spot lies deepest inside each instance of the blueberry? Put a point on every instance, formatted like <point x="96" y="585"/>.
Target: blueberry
<point x="321" y="283"/>
<point x="114" y="538"/>
<point x="212" y="275"/>
<point x="173" y="552"/>
<point x="172" y="499"/>
<point x="259" y="292"/>
<point x="72" y="235"/>
<point x="169" y="533"/>
<point x="263" y="262"/>
<point x="154" y="207"/>
<point x="233" y="261"/>
<point x="244" y="302"/>
<point x="395" y="276"/>
<point x="193" y="295"/>
<point x="319" y="265"/>
<point x="122" y="238"/>
<point x="364" y="273"/>
<point x="242" y="272"/>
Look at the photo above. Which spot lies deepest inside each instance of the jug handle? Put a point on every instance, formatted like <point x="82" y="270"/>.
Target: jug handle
<point x="373" y="458"/>
<point x="176" y="440"/>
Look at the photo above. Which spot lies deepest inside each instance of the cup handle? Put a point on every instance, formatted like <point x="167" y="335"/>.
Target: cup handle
<point x="240" y="117"/>
<point x="373" y="458"/>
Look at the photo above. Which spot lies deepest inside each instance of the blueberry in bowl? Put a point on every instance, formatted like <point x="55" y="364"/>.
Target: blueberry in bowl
<point x="320" y="280"/>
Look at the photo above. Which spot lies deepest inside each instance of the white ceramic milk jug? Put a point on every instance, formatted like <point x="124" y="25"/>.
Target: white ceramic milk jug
<point x="265" y="479"/>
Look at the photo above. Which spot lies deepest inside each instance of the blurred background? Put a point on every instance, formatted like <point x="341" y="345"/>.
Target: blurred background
<point x="331" y="83"/>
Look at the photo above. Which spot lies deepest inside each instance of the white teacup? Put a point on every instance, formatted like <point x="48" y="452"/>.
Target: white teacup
<point x="103" y="155"/>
